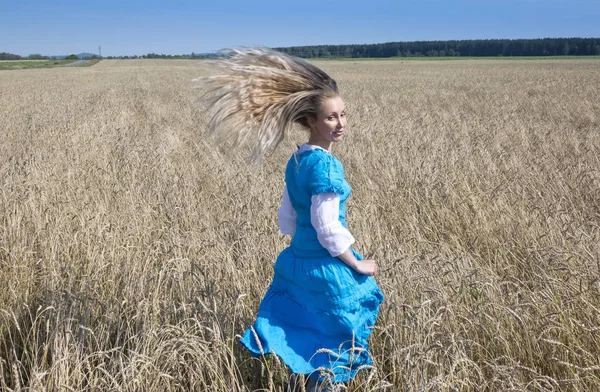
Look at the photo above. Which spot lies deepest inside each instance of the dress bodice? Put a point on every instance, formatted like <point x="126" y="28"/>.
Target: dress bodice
<point x="309" y="173"/>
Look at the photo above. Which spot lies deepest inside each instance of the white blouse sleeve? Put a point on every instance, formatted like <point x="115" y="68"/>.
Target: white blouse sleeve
<point x="324" y="216"/>
<point x="286" y="215"/>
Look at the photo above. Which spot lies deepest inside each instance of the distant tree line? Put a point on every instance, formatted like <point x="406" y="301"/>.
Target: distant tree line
<point x="9" y="56"/>
<point x="150" y="56"/>
<point x="455" y="48"/>
<point x="35" y="56"/>
<point x="471" y="48"/>
<point x="168" y="56"/>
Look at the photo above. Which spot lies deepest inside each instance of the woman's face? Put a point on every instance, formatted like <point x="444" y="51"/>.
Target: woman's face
<point x="329" y="124"/>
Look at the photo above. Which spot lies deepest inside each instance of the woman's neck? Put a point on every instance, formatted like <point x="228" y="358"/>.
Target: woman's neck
<point x="324" y="144"/>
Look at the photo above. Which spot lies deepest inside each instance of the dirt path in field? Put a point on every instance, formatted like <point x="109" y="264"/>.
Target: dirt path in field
<point x="80" y="62"/>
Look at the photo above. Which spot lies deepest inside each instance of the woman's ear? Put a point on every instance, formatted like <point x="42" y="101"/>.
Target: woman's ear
<point x="310" y="120"/>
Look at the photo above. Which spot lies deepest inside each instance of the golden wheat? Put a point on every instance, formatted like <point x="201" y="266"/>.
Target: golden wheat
<point x="133" y="253"/>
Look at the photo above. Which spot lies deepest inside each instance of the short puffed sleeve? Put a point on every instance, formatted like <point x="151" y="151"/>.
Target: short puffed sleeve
<point x="327" y="176"/>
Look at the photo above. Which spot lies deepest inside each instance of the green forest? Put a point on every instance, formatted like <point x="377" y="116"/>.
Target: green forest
<point x="469" y="48"/>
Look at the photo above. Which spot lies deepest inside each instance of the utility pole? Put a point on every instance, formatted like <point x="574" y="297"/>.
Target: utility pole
<point x="100" y="51"/>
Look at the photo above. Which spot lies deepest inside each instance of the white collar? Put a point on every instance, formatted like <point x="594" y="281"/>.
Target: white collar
<point x="307" y="147"/>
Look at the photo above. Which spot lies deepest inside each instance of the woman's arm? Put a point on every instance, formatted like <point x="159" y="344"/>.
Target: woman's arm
<point x="286" y="216"/>
<point x="324" y="216"/>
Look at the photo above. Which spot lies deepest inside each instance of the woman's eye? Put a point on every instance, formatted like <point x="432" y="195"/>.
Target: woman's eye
<point x="330" y="118"/>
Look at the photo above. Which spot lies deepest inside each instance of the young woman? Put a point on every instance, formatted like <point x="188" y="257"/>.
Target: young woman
<point x="319" y="309"/>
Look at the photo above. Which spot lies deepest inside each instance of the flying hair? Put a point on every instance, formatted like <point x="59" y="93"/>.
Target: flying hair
<point x="260" y="94"/>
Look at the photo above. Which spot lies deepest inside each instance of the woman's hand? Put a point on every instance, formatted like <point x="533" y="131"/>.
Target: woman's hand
<point x="366" y="267"/>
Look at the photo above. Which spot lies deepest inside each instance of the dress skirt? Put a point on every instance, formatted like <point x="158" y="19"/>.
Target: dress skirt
<point x="316" y="316"/>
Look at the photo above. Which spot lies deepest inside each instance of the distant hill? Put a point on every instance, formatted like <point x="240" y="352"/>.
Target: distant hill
<point x="80" y="55"/>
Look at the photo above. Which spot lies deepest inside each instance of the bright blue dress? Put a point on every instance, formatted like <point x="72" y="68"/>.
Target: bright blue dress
<point x="317" y="313"/>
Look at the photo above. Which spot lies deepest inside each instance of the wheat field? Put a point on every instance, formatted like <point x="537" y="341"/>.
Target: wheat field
<point x="133" y="252"/>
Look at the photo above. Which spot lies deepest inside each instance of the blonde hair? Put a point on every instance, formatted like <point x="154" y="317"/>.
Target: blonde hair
<point x="261" y="94"/>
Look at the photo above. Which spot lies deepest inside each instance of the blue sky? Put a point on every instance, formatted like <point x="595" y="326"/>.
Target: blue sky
<point x="139" y="27"/>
